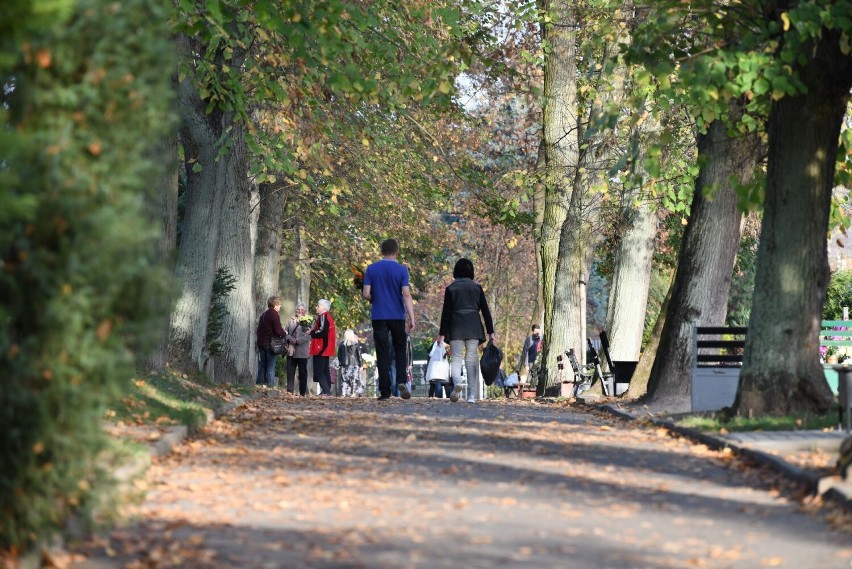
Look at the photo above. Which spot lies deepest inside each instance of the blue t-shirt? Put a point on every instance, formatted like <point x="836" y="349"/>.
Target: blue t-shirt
<point x="386" y="279"/>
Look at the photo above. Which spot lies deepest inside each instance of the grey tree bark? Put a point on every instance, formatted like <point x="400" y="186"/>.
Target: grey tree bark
<point x="295" y="276"/>
<point x="628" y="297"/>
<point x="196" y="263"/>
<point x="706" y="258"/>
<point x="561" y="155"/>
<point x="781" y="372"/>
<point x="203" y="135"/>
<point x="267" y="256"/>
<point x="237" y="361"/>
<point x="579" y="231"/>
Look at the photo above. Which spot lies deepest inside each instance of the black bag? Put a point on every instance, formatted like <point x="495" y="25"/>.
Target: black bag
<point x="490" y="362"/>
<point x="277" y="344"/>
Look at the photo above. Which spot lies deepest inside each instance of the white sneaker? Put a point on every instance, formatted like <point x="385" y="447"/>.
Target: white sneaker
<point x="454" y="396"/>
<point x="471" y="400"/>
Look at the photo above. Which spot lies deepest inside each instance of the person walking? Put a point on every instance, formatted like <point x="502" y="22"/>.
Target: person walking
<point x="300" y="340"/>
<point x="322" y="346"/>
<point x="349" y="357"/>
<point x="464" y="301"/>
<point x="386" y="287"/>
<point x="268" y="325"/>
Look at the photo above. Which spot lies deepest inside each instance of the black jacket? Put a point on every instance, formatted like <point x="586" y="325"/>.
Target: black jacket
<point x="349" y="355"/>
<point x="463" y="301"/>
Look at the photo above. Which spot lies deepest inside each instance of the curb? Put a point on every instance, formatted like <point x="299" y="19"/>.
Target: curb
<point x="828" y="488"/>
<point x="176" y="435"/>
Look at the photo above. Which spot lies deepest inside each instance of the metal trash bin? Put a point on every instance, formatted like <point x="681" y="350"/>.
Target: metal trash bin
<point x="844" y="389"/>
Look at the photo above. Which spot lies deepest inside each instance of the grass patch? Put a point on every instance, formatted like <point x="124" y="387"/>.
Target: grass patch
<point x="171" y="399"/>
<point x="714" y="423"/>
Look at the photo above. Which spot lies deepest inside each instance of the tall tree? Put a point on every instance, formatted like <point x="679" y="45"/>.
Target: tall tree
<point x="706" y="257"/>
<point x="561" y="157"/>
<point x="781" y="371"/>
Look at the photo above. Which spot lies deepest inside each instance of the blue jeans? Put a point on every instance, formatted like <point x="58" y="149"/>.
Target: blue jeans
<point x="266" y="367"/>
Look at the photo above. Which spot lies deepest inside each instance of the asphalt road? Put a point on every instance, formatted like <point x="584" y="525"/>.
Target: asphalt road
<point x="318" y="483"/>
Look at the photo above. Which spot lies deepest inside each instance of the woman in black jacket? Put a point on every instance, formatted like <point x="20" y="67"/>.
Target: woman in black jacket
<point x="464" y="300"/>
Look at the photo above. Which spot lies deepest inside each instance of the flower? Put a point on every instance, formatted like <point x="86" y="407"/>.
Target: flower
<point x="306" y="320"/>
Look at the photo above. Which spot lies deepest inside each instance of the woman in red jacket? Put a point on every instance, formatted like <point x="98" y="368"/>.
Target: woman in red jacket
<point x="323" y="336"/>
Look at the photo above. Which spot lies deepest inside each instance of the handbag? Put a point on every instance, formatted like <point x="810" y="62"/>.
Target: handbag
<point x="291" y="350"/>
<point x="277" y="344"/>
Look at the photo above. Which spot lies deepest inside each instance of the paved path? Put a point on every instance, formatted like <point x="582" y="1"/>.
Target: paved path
<point x="296" y="483"/>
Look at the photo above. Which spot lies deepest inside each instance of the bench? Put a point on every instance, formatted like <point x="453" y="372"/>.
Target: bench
<point x="831" y="336"/>
<point x="716" y="362"/>
<point x="716" y="365"/>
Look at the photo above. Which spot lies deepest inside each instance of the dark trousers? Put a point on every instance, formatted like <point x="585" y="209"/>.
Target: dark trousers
<point x="302" y="365"/>
<point x="387" y="335"/>
<point x="322" y="374"/>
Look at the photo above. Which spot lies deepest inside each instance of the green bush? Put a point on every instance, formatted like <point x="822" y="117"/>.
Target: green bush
<point x="85" y="102"/>
<point x="837" y="295"/>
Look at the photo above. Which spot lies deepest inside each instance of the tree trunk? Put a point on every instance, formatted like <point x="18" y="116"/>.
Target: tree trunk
<point x="579" y="231"/>
<point x="267" y="265"/>
<point x="295" y="276"/>
<point x="628" y="297"/>
<point x="538" y="201"/>
<point x="236" y="362"/>
<point x="561" y="154"/>
<point x="567" y="328"/>
<point x="205" y="192"/>
<point x="165" y="211"/>
<point x="639" y="381"/>
<point x="706" y="258"/>
<point x="781" y="372"/>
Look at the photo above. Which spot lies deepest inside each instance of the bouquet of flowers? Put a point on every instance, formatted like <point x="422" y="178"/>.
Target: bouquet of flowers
<point x="306" y="321"/>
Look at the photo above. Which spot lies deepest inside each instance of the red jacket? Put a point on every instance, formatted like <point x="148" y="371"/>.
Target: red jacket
<point x="323" y="335"/>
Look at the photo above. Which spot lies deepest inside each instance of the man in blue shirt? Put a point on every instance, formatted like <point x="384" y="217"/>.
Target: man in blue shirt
<point x="386" y="287"/>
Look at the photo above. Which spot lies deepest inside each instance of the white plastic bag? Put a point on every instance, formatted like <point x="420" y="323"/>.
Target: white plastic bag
<point x="438" y="368"/>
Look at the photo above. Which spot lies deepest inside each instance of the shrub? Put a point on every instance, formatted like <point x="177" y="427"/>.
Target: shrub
<point x="85" y="101"/>
<point x="837" y="295"/>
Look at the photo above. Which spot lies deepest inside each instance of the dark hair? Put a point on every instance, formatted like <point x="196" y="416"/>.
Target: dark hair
<point x="463" y="269"/>
<point x="389" y="247"/>
<point x="534" y="327"/>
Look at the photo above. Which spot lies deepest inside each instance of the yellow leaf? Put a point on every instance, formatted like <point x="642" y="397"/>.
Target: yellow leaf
<point x="785" y="17"/>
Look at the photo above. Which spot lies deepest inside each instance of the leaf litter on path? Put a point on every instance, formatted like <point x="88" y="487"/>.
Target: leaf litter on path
<point x="293" y="482"/>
